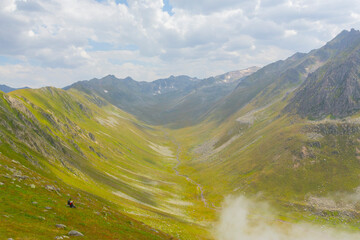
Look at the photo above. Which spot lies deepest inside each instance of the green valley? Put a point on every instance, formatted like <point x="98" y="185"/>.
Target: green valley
<point x="157" y="160"/>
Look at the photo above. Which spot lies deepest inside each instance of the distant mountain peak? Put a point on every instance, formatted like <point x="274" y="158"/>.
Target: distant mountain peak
<point x="333" y="89"/>
<point x="346" y="34"/>
<point x="236" y="75"/>
<point x="345" y="39"/>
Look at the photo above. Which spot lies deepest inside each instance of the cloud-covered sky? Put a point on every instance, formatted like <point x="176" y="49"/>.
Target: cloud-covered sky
<point x="58" y="42"/>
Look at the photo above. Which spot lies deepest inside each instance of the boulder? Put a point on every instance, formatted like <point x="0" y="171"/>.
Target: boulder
<point x="62" y="226"/>
<point x="52" y="188"/>
<point x="75" y="233"/>
<point x="61" y="237"/>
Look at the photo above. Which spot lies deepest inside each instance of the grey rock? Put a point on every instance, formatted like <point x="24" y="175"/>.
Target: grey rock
<point x="62" y="226"/>
<point x="32" y="185"/>
<point x="62" y="237"/>
<point x="34" y="203"/>
<point x="75" y="233"/>
<point x="48" y="208"/>
<point x="50" y="187"/>
<point x="1" y="183"/>
<point x="332" y="89"/>
<point x="20" y="176"/>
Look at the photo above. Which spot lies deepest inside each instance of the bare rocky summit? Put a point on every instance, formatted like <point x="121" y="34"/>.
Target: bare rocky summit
<point x="334" y="89"/>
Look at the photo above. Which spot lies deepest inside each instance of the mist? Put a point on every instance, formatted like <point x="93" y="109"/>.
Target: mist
<point x="245" y="219"/>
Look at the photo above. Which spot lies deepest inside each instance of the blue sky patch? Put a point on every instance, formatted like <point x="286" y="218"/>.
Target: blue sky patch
<point x="167" y="7"/>
<point x="100" y="46"/>
<point x="104" y="46"/>
<point x="117" y="1"/>
<point x="4" y="60"/>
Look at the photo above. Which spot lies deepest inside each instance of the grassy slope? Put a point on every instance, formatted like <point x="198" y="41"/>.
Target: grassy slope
<point x="93" y="146"/>
<point x="286" y="158"/>
<point x="24" y="214"/>
<point x="249" y="145"/>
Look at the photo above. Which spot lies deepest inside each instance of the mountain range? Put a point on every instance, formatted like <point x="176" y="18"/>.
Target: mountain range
<point x="7" y="89"/>
<point x="176" y="101"/>
<point x="155" y="160"/>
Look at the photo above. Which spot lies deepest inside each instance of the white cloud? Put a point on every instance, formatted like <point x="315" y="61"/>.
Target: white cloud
<point x="201" y="38"/>
<point x="290" y="33"/>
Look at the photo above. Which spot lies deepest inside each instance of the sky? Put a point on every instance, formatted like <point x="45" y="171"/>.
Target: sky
<point x="58" y="42"/>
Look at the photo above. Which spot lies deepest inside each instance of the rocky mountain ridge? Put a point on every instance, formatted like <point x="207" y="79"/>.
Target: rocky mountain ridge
<point x="333" y="89"/>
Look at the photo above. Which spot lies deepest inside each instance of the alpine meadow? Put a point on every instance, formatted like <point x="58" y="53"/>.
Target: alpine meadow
<point x="234" y="145"/>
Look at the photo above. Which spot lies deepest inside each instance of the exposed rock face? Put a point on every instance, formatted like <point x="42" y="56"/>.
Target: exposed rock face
<point x="333" y="89"/>
<point x="336" y="128"/>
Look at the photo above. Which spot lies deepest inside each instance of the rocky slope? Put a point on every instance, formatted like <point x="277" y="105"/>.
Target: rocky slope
<point x="332" y="68"/>
<point x="333" y="89"/>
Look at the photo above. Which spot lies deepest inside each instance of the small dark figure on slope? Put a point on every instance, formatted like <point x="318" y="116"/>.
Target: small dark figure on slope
<point x="70" y="203"/>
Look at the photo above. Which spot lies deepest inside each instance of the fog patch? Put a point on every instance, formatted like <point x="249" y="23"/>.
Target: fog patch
<point x="245" y="219"/>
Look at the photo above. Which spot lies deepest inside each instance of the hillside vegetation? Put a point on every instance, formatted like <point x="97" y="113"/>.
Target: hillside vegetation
<point x="254" y="142"/>
<point x="156" y="160"/>
<point x="86" y="144"/>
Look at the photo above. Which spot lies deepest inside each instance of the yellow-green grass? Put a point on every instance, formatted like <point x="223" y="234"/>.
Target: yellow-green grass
<point x="267" y="156"/>
<point x="148" y="187"/>
<point x="111" y="155"/>
<point x="24" y="212"/>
